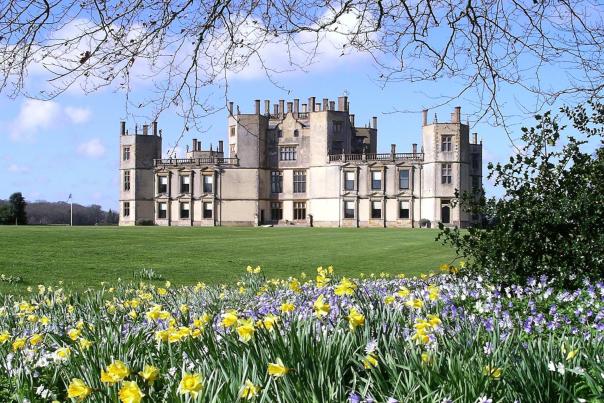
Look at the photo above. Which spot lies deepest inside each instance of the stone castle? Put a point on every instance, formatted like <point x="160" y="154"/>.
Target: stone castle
<point x="304" y="165"/>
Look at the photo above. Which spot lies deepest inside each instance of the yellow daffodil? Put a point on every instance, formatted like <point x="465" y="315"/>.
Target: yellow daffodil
<point x="149" y="373"/>
<point x="287" y="307"/>
<point x="269" y="321"/>
<point x="74" y="334"/>
<point x="35" y="339"/>
<point x="245" y="330"/>
<point x="84" y="343"/>
<point x="434" y="320"/>
<point x="294" y="285"/>
<point x="277" y="369"/>
<point x="345" y="287"/>
<point x="229" y="318"/>
<point x="4" y="337"/>
<point x="403" y="292"/>
<point x="321" y="308"/>
<point x="433" y="292"/>
<point x="19" y="343"/>
<point x="190" y="384"/>
<point x="78" y="389"/>
<point x="414" y="303"/>
<point x="249" y="390"/>
<point x="389" y="299"/>
<point x="355" y="319"/>
<point x="63" y="353"/>
<point x="571" y="354"/>
<point x="426" y="358"/>
<point x="130" y="393"/>
<point x="370" y="361"/>
<point x="202" y="321"/>
<point x="116" y="372"/>
<point x="492" y="372"/>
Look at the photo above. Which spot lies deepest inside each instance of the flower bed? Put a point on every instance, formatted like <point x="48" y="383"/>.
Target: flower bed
<point x="444" y="337"/>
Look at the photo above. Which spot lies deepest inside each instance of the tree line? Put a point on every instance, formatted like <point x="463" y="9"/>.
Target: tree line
<point x="16" y="210"/>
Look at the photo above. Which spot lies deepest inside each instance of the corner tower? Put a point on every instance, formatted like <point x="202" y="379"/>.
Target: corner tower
<point x="136" y="178"/>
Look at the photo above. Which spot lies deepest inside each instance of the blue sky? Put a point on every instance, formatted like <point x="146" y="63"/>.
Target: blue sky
<point x="70" y="144"/>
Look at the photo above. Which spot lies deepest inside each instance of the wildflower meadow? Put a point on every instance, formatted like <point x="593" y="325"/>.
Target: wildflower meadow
<point x="440" y="337"/>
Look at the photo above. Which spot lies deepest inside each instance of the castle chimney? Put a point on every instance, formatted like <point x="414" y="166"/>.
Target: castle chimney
<point x="374" y="126"/>
<point x="475" y="138"/>
<point x="230" y="108"/>
<point x="154" y="126"/>
<point x="332" y="105"/>
<point x="194" y="144"/>
<point x="392" y="149"/>
<point x="425" y="117"/>
<point x="414" y="148"/>
<point x="289" y="107"/>
<point x="352" y="119"/>
<point x="276" y="110"/>
<point x="325" y="104"/>
<point x="457" y="114"/>
<point x="296" y="106"/>
<point x="122" y="128"/>
<point x="311" y="104"/>
<point x="281" y="108"/>
<point x="347" y="106"/>
<point x="145" y="130"/>
<point x="267" y="107"/>
<point x="304" y="108"/>
<point x="342" y="104"/>
<point x="220" y="146"/>
<point x="257" y="106"/>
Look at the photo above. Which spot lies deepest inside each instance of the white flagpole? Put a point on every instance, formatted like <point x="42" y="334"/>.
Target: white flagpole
<point x="70" y="199"/>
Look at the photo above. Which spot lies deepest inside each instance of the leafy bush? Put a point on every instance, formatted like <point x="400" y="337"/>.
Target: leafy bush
<point x="549" y="220"/>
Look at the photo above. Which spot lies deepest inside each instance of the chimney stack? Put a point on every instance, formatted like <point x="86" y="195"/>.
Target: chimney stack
<point x="276" y="110"/>
<point x="281" y="108"/>
<point x="304" y="108"/>
<point x="289" y="107"/>
<point x="374" y="122"/>
<point x="257" y="106"/>
<point x="220" y="146"/>
<point x="457" y="118"/>
<point x="414" y="148"/>
<point x="145" y="130"/>
<point x="154" y="126"/>
<point x="332" y="105"/>
<point x="267" y="107"/>
<point x="311" y="104"/>
<point x="325" y="104"/>
<point x="352" y="119"/>
<point x="475" y="138"/>
<point x="231" y="108"/>
<point x="296" y="107"/>
<point x="425" y="117"/>
<point x="194" y="144"/>
<point x="342" y="104"/>
<point x="122" y="128"/>
<point x="393" y="149"/>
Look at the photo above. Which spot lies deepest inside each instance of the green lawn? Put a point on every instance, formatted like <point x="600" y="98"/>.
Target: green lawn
<point x="84" y="256"/>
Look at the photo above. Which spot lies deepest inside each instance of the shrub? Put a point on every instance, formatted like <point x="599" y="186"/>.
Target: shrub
<point x="549" y="220"/>
<point x="144" y="222"/>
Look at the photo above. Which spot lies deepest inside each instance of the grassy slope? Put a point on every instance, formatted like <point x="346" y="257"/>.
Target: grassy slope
<point x="85" y="256"/>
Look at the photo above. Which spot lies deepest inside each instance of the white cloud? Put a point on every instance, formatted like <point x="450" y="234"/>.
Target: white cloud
<point x="77" y="115"/>
<point x="14" y="168"/>
<point x="92" y="148"/>
<point x="34" y="116"/>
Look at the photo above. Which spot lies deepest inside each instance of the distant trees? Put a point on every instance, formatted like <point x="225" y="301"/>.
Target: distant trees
<point x="43" y="212"/>
<point x="13" y="211"/>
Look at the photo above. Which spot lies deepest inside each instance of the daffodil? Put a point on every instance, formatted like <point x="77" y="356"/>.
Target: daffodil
<point x="269" y="321"/>
<point x="115" y="372"/>
<point x="245" y="330"/>
<point x="321" y="308"/>
<point x="19" y="343"/>
<point x="355" y="318"/>
<point x="84" y="343"/>
<point x="492" y="372"/>
<point x="130" y="393"/>
<point x="277" y="369"/>
<point x="74" y="334"/>
<point x="190" y="384"/>
<point x="229" y="318"/>
<point x="426" y="358"/>
<point x="35" y="339"/>
<point x="78" y="389"/>
<point x="571" y="354"/>
<point x="287" y="307"/>
<point x="62" y="353"/>
<point x="370" y="361"/>
<point x="389" y="299"/>
<point x="4" y="337"/>
<point x="345" y="287"/>
<point x="294" y="285"/>
<point x="149" y="373"/>
<point x="249" y="390"/>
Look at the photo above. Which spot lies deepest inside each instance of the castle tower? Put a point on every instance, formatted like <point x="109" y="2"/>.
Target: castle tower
<point x="136" y="177"/>
<point x="446" y="168"/>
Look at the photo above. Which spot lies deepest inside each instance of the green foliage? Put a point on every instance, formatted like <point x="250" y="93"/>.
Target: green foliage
<point x="549" y="220"/>
<point x="17" y="208"/>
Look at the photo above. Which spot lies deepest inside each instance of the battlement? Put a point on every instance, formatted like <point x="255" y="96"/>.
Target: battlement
<point x="145" y="130"/>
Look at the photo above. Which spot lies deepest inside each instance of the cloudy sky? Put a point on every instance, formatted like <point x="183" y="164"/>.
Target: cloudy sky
<point x="49" y="149"/>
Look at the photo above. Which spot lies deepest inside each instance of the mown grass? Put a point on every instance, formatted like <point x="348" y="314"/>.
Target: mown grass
<point x="82" y="257"/>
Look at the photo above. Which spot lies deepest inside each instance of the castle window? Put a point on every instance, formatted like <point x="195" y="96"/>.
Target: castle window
<point x="279" y="133"/>
<point x="208" y="184"/>
<point x="475" y="161"/>
<point x="276" y="181"/>
<point x="184" y="210"/>
<point x="276" y="211"/>
<point x="348" y="209"/>
<point x="403" y="179"/>
<point x="162" y="186"/>
<point x="126" y="155"/>
<point x="349" y="178"/>
<point x="299" y="181"/>
<point x="208" y="210"/>
<point x="376" y="209"/>
<point x="287" y="153"/>
<point x="232" y="131"/>
<point x="126" y="180"/>
<point x="376" y="180"/>
<point x="445" y="173"/>
<point x="162" y="210"/>
<point x="126" y="209"/>
<point x="446" y="143"/>
<point x="403" y="211"/>
<point x="296" y="133"/>
<point x="299" y="210"/>
<point x="185" y="182"/>
<point x="232" y="150"/>
<point x="337" y="127"/>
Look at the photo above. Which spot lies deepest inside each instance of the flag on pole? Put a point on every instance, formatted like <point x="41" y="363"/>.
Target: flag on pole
<point x="69" y="198"/>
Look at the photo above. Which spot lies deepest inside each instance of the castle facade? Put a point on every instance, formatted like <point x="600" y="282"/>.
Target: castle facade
<point x="304" y="165"/>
